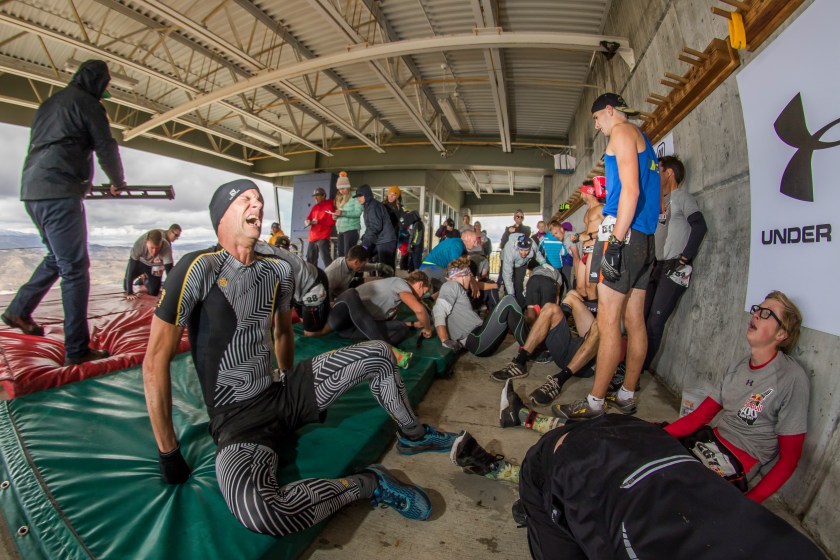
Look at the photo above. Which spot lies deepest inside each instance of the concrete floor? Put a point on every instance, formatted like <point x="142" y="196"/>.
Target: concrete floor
<point x="471" y="517"/>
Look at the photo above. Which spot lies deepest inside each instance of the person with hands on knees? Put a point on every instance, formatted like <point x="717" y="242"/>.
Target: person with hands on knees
<point x="150" y="257"/>
<point x="759" y="411"/>
<point x="625" y="243"/>
<point x="253" y="409"/>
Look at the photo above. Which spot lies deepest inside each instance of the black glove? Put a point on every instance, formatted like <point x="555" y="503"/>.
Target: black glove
<point x="671" y="266"/>
<point x="611" y="263"/>
<point x="173" y="467"/>
<point x="452" y="344"/>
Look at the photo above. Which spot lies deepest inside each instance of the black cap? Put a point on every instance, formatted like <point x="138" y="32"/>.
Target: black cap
<point x="364" y="191"/>
<point x="614" y="100"/>
<point x="320" y="191"/>
<point x="524" y="243"/>
<point x="226" y="194"/>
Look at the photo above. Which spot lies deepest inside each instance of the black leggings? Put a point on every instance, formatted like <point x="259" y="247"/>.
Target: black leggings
<point x="661" y="299"/>
<point x="506" y="316"/>
<point x="350" y="319"/>
<point x="247" y="472"/>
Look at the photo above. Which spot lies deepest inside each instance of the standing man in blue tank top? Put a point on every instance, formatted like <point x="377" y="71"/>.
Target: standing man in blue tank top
<point x="625" y="244"/>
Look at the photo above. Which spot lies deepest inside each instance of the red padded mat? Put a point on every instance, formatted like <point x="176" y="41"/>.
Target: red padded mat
<point x="34" y="363"/>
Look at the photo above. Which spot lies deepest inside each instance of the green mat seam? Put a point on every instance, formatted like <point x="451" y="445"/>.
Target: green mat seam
<point x="29" y="491"/>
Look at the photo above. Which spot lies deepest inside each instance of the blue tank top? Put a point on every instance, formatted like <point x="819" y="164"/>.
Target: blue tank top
<point x="648" y="206"/>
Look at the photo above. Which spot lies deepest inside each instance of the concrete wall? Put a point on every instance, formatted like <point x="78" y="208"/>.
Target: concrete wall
<point x="707" y="331"/>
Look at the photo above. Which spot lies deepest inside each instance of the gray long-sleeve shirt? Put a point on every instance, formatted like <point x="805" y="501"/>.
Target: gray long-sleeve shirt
<point x="512" y="259"/>
<point x="453" y="310"/>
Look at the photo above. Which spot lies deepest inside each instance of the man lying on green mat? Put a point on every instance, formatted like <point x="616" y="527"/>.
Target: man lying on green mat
<point x="229" y="297"/>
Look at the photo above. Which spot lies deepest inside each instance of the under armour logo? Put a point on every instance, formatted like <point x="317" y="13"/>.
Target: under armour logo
<point x="749" y="383"/>
<point x="233" y="193"/>
<point x="797" y="181"/>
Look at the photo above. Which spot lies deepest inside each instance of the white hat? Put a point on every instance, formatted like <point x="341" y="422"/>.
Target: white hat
<point x="343" y="182"/>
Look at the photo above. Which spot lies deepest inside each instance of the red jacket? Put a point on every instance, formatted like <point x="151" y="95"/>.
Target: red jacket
<point x="326" y="221"/>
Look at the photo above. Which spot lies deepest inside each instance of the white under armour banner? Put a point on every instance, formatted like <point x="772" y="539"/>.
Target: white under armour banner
<point x="789" y="95"/>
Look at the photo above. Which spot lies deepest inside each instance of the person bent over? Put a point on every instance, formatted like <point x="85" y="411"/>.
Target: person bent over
<point x="369" y="310"/>
<point x="151" y="256"/>
<point x="342" y="272"/>
<point x="759" y="412"/>
<point x="434" y="265"/>
<point x="516" y="257"/>
<point x="619" y="487"/>
<point x="230" y="298"/>
<point x="459" y="326"/>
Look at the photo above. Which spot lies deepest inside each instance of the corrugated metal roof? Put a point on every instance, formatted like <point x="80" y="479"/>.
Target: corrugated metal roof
<point x="180" y="49"/>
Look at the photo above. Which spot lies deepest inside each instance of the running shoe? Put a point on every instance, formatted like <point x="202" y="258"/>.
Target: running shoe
<point x="471" y="457"/>
<point x="509" y="407"/>
<point x="544" y="357"/>
<point x="409" y="500"/>
<point x="510" y="371"/>
<point x="403" y="357"/>
<point x="547" y="392"/>
<point x="578" y="410"/>
<point x="432" y="440"/>
<point x="625" y="406"/>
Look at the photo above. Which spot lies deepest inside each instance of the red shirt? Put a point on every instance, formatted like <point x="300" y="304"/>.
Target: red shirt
<point x="326" y="221"/>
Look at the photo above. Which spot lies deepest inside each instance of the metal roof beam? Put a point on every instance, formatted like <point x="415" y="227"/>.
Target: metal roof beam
<point x="203" y="34"/>
<point x="301" y="49"/>
<point x="511" y="182"/>
<point x="329" y="13"/>
<point x="391" y="35"/>
<point x="472" y="182"/>
<point x="485" y="17"/>
<point x="362" y="53"/>
<point x="17" y="68"/>
<point x="55" y="35"/>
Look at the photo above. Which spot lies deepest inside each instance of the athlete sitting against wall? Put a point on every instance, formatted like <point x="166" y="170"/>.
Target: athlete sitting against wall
<point x="760" y="408"/>
<point x="231" y="297"/>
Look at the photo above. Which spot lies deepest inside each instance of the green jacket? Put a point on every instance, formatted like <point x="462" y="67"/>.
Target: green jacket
<point x="350" y="216"/>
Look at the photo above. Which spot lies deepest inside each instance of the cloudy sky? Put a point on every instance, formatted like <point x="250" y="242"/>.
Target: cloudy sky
<point x="120" y="222"/>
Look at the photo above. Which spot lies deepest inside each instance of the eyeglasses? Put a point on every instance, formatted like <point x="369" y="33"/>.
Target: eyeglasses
<point x="765" y="313"/>
<point x="518" y="216"/>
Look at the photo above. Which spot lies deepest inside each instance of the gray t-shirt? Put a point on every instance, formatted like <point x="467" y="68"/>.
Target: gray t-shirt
<point x="670" y="238"/>
<point x="339" y="276"/>
<point x="453" y="310"/>
<point x="760" y="405"/>
<point x="382" y="297"/>
<point x="139" y="252"/>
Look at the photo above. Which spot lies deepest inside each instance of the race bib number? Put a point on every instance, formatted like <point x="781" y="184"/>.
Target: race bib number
<point x="606" y="228"/>
<point x="315" y="296"/>
<point x="681" y="276"/>
<point x="714" y="458"/>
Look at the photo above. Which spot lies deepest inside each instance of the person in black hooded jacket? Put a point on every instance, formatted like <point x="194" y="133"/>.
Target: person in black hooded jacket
<point x="379" y="236"/>
<point x="68" y="128"/>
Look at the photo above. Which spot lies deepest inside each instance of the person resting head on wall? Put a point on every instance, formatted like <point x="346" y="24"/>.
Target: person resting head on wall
<point x="759" y="410"/>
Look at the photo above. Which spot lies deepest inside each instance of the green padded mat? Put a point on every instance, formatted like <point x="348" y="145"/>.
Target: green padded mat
<point x="95" y="490"/>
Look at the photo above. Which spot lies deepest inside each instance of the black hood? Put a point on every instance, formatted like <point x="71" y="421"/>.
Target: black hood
<point x="92" y="76"/>
<point x="409" y="218"/>
<point x="364" y="191"/>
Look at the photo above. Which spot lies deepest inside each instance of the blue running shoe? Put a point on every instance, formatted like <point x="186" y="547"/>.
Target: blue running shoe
<point x="409" y="500"/>
<point x="433" y="440"/>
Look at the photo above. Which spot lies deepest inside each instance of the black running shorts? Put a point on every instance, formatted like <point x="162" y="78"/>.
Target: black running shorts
<point x="540" y="290"/>
<point x="636" y="262"/>
<point x="562" y="344"/>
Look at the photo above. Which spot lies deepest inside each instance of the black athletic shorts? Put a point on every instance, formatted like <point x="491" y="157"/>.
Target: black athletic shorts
<point x="636" y="262"/>
<point x="562" y="344"/>
<point x="540" y="290"/>
<point x="271" y="416"/>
